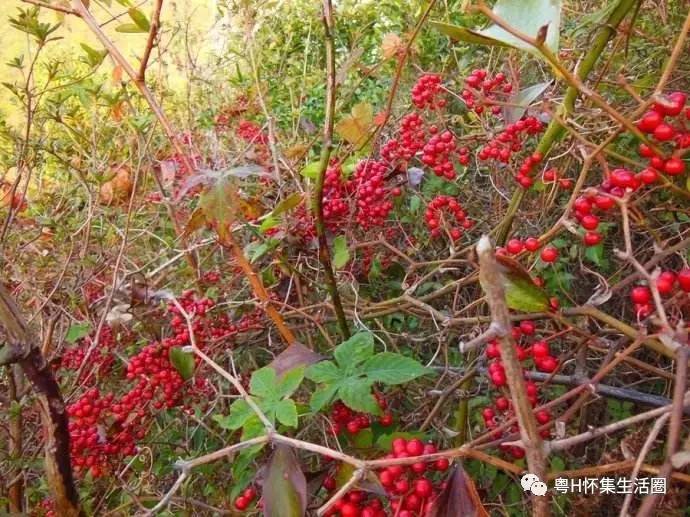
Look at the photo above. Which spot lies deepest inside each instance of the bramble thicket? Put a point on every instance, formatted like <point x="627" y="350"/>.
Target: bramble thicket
<point x="344" y="258"/>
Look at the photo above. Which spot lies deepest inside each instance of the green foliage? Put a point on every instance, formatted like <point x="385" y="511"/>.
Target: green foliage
<point x="355" y="370"/>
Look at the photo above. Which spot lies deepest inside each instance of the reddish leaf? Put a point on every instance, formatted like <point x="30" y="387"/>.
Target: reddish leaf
<point x="460" y="497"/>
<point x="293" y="356"/>
<point x="285" y="487"/>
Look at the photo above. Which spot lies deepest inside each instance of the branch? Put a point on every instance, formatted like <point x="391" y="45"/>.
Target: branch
<point x="492" y="281"/>
<point x="153" y="33"/>
<point x="58" y="8"/>
<point x="324" y="250"/>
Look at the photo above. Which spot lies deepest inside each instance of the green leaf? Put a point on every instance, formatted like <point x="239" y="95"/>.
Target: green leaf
<point x="286" y="413"/>
<point x="182" y="361"/>
<point x="139" y="19"/>
<point x="341" y="255"/>
<point x="311" y="170"/>
<point x="522" y="294"/>
<point x="527" y="16"/>
<point x="94" y="57"/>
<point x="78" y="331"/>
<point x="289" y="382"/>
<point x="322" y="397"/>
<point x="268" y="223"/>
<point x="263" y="383"/>
<point x="240" y="412"/>
<point x="129" y="28"/>
<point x="325" y="371"/>
<point x="391" y="368"/>
<point x="355" y="350"/>
<point x="356" y="394"/>
<point x="285" y="487"/>
<point x="287" y="204"/>
<point x="519" y="103"/>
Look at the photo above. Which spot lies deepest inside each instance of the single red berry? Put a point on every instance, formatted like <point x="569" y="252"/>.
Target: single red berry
<point x="415" y="447"/>
<point x="540" y="349"/>
<point x="674" y="166"/>
<point x="547" y="364"/>
<point x="423" y="488"/>
<point x="592" y="238"/>
<point x="664" y="132"/>
<point x="684" y="279"/>
<point x="549" y="254"/>
<point x="590" y="222"/>
<point x="641" y="295"/>
<point x="532" y="244"/>
<point x="349" y="510"/>
<point x="241" y="503"/>
<point x="650" y="121"/>
<point x="527" y="327"/>
<point x="543" y="416"/>
<point x="514" y="246"/>
<point x="441" y="464"/>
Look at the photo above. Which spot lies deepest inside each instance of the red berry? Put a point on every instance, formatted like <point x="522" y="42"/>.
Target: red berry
<point x="674" y="166"/>
<point x="441" y="464"/>
<point x="514" y="246"/>
<point x="540" y="349"/>
<point x="592" y="238"/>
<point x="547" y="364"/>
<point x="543" y="416"/>
<point x="423" y="488"/>
<point x="527" y="327"/>
<point x="415" y="447"/>
<point x="241" y="503"/>
<point x="502" y="404"/>
<point x="650" y="121"/>
<point x="641" y="295"/>
<point x="664" y="132"/>
<point x="684" y="279"/>
<point x="532" y="244"/>
<point x="590" y="222"/>
<point x="349" y="510"/>
<point x="549" y="254"/>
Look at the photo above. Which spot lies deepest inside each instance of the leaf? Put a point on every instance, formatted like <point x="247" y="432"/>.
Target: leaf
<point x="93" y="56"/>
<point x="287" y="204"/>
<point x="354" y="128"/>
<point x="356" y="394"/>
<point x="196" y="221"/>
<point x="355" y="350"/>
<point x="460" y="497"/>
<point x="285" y="487"/>
<point x="139" y="19"/>
<point x="290" y="381"/>
<point x="182" y="361"/>
<point x="391" y="45"/>
<point x="522" y="294"/>
<point x="240" y="412"/>
<point x="311" y="170"/>
<point x="391" y="368"/>
<point x="78" y="331"/>
<point x="219" y="204"/>
<point x="322" y="397"/>
<point x="341" y="255"/>
<point x="263" y="383"/>
<point x="519" y="103"/>
<point x="286" y="413"/>
<point x="528" y="16"/>
<point x="324" y="372"/>
<point x="295" y="355"/>
<point x="129" y="28"/>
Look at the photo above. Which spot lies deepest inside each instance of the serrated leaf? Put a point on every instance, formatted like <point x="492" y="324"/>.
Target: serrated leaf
<point x="77" y="332"/>
<point x="355" y="350"/>
<point x="263" y="383"/>
<point x="322" y="397"/>
<point x="140" y="19"/>
<point x="285" y="487"/>
<point x="129" y="28"/>
<point x="286" y="413"/>
<point x="183" y="362"/>
<point x="290" y="381"/>
<point x="325" y="371"/>
<point x="356" y="394"/>
<point x="240" y="412"/>
<point x="391" y="368"/>
<point x="354" y="128"/>
<point x="341" y="255"/>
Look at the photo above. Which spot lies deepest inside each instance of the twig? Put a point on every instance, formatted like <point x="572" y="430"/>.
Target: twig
<point x="492" y="281"/>
<point x="150" y="42"/>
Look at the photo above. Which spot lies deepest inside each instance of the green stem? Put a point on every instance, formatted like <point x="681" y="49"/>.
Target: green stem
<point x="324" y="250"/>
<point x="555" y="130"/>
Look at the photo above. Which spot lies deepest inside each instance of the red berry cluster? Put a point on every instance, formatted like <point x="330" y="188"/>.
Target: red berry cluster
<point x="335" y="196"/>
<point x="526" y="348"/>
<point x="411" y="489"/>
<point x="344" y="418"/>
<point x="426" y="91"/>
<point x="515" y="246"/>
<point x="101" y="358"/>
<point x="657" y="124"/>
<point x="583" y="209"/>
<point x="666" y="284"/>
<point x="481" y="90"/>
<point x="371" y="194"/>
<point x="437" y="153"/>
<point x="412" y="138"/>
<point x="251" y="132"/>
<point x="551" y="176"/>
<point x="243" y="501"/>
<point x="456" y="222"/>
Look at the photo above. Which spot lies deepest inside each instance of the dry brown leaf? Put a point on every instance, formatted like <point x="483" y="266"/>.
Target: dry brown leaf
<point x="118" y="188"/>
<point x="355" y="127"/>
<point x="391" y="45"/>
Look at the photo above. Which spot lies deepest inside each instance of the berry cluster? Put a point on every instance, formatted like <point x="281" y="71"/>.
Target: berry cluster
<point x="251" y="132"/>
<point x="371" y="195"/>
<point x="437" y="153"/>
<point x="411" y="489"/>
<point x="344" y="418"/>
<point x="583" y="209"/>
<point x="531" y="244"/>
<point x="335" y="195"/>
<point x="426" y="92"/>
<point x="481" y="90"/>
<point x="456" y="222"/>
<point x="526" y="348"/>
<point x="411" y="140"/>
<point x="243" y="501"/>
<point x="101" y="358"/>
<point x="656" y="123"/>
<point x="666" y="284"/>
